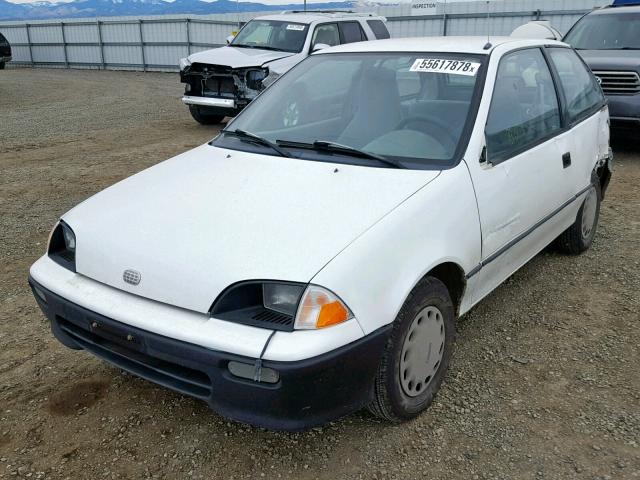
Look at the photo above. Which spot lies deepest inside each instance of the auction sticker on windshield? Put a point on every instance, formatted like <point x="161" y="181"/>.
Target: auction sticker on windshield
<point x="293" y="26"/>
<point x="443" y="65"/>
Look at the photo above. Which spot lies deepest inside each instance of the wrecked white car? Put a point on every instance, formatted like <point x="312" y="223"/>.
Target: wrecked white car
<point x="222" y="81"/>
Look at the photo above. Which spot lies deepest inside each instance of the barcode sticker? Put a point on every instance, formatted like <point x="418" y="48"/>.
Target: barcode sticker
<point x="293" y="26"/>
<point x="443" y="65"/>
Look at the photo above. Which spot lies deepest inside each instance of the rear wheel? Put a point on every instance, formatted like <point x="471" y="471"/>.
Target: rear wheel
<point x="200" y="115"/>
<point x="1" y="65"/>
<point x="579" y="236"/>
<point x="417" y="354"/>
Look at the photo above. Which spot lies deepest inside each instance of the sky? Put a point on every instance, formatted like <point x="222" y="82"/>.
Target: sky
<point x="267" y="2"/>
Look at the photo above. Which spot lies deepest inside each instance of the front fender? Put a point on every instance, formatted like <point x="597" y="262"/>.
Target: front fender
<point x="377" y="271"/>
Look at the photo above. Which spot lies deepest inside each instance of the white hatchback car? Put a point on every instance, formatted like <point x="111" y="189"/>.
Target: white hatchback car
<point x="312" y="259"/>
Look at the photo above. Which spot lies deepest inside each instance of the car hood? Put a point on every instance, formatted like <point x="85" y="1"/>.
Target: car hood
<point x="614" y="60"/>
<point x="237" y="57"/>
<point x="195" y="224"/>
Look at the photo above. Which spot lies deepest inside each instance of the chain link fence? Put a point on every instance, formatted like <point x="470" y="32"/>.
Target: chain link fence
<point x="157" y="43"/>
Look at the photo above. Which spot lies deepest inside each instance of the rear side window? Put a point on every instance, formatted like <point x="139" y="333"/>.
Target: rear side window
<point x="379" y="29"/>
<point x="326" y="34"/>
<point x="524" y="109"/>
<point x="351" y="32"/>
<point x="580" y="86"/>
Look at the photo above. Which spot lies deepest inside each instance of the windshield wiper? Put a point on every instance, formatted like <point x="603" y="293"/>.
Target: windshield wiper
<point x="267" y="47"/>
<point x="259" y="47"/>
<point x="323" y="145"/>
<point x="252" y="137"/>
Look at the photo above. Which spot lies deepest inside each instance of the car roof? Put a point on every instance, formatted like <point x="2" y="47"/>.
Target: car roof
<point x="311" y="16"/>
<point x="474" y="45"/>
<point x="619" y="9"/>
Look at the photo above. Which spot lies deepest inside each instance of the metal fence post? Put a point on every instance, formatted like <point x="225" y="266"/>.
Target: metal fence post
<point x="444" y="24"/>
<point x="144" y="61"/>
<point x="64" y="46"/>
<point x="29" y="42"/>
<point x="100" y="44"/>
<point x="188" y="22"/>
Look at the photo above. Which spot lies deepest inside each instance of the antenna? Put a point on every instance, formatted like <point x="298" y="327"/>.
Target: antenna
<point x="488" y="44"/>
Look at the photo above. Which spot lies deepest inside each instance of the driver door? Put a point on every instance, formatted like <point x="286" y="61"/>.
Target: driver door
<point x="520" y="182"/>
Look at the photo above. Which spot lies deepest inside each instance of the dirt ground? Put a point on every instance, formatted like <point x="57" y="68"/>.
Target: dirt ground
<point x="545" y="381"/>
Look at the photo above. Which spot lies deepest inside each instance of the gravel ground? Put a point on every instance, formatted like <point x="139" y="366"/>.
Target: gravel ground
<point x="545" y="379"/>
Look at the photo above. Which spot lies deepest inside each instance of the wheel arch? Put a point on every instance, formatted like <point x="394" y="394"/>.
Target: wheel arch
<point x="603" y="172"/>
<point x="452" y="275"/>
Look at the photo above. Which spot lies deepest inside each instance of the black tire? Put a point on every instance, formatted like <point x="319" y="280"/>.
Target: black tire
<point x="574" y="240"/>
<point x="1" y="65"/>
<point x="390" y="400"/>
<point x="201" y="116"/>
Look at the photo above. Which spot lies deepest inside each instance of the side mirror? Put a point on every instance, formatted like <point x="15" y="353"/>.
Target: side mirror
<point x="483" y="156"/>
<point x="230" y="39"/>
<point x="319" y="46"/>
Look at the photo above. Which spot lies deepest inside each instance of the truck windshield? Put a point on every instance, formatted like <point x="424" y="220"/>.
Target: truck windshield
<point x="408" y="108"/>
<point x="608" y="31"/>
<point x="272" y="35"/>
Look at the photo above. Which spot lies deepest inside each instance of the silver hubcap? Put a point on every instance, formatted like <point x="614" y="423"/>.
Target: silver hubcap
<point x="589" y="213"/>
<point x="422" y="351"/>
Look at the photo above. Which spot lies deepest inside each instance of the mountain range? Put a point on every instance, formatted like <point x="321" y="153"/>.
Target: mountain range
<point x="111" y="8"/>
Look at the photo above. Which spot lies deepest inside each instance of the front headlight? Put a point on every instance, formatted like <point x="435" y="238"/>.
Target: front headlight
<point x="184" y="63"/>
<point x="255" y="77"/>
<point x="280" y="306"/>
<point x="269" y="79"/>
<point x="62" y="246"/>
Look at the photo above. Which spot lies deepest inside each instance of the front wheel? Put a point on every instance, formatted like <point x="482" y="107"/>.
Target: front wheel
<point x="579" y="236"/>
<point x="417" y="354"/>
<point x="201" y="116"/>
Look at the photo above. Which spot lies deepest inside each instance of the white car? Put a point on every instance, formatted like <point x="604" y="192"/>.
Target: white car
<point x="221" y="82"/>
<point x="312" y="260"/>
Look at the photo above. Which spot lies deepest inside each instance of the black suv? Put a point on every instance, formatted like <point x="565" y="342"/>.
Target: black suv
<point x="5" y="51"/>
<point x="608" y="39"/>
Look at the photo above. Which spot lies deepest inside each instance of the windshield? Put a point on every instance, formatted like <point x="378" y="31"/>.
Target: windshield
<point x="408" y="107"/>
<point x="610" y="31"/>
<point x="272" y="35"/>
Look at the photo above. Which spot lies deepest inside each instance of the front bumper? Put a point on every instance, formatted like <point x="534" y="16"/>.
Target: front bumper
<point x="220" y="103"/>
<point x="307" y="393"/>
<point x="624" y="110"/>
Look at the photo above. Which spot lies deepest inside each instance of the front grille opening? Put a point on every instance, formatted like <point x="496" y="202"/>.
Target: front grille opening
<point x="220" y="86"/>
<point x="271" y="316"/>
<point x="178" y="377"/>
<point x="619" y="83"/>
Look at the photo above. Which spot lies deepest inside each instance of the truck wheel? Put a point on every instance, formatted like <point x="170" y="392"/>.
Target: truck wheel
<point x="201" y="116"/>
<point x="579" y="236"/>
<point x="417" y="353"/>
<point x="1" y="65"/>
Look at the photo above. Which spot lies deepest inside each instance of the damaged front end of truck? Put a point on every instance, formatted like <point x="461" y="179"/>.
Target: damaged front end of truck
<point x="220" y="89"/>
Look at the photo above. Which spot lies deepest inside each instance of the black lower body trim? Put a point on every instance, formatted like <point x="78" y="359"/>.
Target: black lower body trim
<point x="308" y="392"/>
<point x="525" y="234"/>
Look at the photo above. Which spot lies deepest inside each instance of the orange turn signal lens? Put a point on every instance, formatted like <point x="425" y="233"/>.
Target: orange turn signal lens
<point x="332" y="314"/>
<point x="320" y="308"/>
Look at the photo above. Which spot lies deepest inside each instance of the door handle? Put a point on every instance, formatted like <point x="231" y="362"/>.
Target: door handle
<point x="566" y="160"/>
